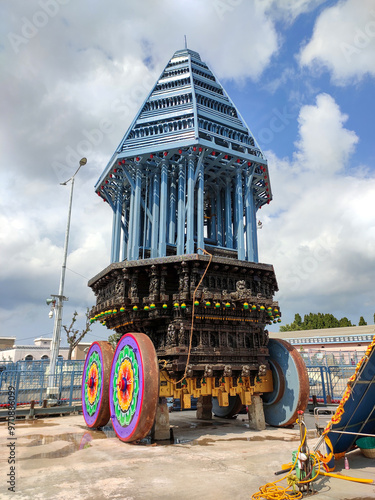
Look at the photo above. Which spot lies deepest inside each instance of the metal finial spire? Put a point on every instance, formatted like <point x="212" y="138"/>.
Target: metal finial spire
<point x="185" y="42"/>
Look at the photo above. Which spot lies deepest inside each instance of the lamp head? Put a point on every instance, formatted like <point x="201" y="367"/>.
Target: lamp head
<point x="82" y="161"/>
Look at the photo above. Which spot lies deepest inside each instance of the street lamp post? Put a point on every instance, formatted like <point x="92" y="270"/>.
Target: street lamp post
<point x="52" y="390"/>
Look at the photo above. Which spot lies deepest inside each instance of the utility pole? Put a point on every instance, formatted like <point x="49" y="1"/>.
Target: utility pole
<point x="52" y="389"/>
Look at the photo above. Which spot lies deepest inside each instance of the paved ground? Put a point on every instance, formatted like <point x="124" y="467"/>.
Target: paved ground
<point x="58" y="458"/>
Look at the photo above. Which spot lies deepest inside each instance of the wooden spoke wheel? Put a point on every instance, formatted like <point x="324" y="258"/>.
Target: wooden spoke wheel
<point x="290" y="385"/>
<point x="134" y="387"/>
<point x="95" y="382"/>
<point x="235" y="406"/>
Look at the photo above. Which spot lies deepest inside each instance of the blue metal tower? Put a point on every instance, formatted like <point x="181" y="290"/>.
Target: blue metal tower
<point x="188" y="174"/>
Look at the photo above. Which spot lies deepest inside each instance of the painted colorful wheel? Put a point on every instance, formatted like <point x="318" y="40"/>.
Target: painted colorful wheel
<point x="134" y="387"/>
<point x="95" y="381"/>
<point x="290" y="385"/>
<point x="235" y="406"/>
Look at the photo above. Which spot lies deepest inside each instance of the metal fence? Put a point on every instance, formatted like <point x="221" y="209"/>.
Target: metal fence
<point x="29" y="380"/>
<point x="328" y="383"/>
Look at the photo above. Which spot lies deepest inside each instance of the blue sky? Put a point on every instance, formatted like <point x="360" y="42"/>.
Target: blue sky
<point x="301" y="73"/>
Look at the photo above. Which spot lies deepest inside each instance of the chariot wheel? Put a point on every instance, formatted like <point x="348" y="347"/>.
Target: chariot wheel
<point x="290" y="385"/>
<point x="133" y="387"/>
<point x="95" y="382"/>
<point x="235" y="406"/>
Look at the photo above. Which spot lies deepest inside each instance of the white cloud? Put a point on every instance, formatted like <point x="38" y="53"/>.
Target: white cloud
<point x="289" y="9"/>
<point x="343" y="41"/>
<point x="325" y="145"/>
<point x="319" y="231"/>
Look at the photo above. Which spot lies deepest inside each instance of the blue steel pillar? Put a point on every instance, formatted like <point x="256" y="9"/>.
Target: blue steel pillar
<point x="219" y="218"/>
<point x="254" y="231"/>
<point x="239" y="216"/>
<point x="150" y="199"/>
<point x="155" y="216"/>
<point x="251" y="230"/>
<point x="125" y="235"/>
<point x="116" y="226"/>
<point x="131" y="224"/>
<point x="137" y="213"/>
<point x="163" y="209"/>
<point x="190" y="206"/>
<point x="234" y="211"/>
<point x="181" y="211"/>
<point x="228" y="216"/>
<point x="113" y="238"/>
<point x="213" y="229"/>
<point x="172" y="209"/>
<point x="200" y="210"/>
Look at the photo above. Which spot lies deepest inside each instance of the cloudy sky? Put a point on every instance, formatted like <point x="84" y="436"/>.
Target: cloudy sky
<point x="73" y="75"/>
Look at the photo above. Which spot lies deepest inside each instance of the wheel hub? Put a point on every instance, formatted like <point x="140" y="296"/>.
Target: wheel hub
<point x="123" y="384"/>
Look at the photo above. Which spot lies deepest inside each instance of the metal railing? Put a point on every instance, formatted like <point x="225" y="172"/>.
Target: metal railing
<point x="29" y="381"/>
<point x="328" y="383"/>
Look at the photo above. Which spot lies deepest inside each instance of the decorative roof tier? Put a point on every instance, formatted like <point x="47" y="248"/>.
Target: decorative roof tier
<point x="188" y="173"/>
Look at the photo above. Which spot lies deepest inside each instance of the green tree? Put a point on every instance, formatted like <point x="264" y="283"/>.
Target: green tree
<point x="285" y="328"/>
<point x="298" y="320"/>
<point x="314" y="321"/>
<point x="296" y="325"/>
<point x="345" y="322"/>
<point x="75" y="336"/>
<point x="362" y="321"/>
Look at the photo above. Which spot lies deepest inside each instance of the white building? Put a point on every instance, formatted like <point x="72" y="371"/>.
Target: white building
<point x="39" y="351"/>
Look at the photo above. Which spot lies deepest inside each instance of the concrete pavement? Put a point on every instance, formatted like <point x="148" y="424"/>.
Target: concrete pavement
<point x="59" y="458"/>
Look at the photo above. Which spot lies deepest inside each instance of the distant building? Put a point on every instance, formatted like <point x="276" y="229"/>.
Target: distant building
<point x="80" y="351"/>
<point x="350" y="338"/>
<point x="7" y="342"/>
<point x="41" y="350"/>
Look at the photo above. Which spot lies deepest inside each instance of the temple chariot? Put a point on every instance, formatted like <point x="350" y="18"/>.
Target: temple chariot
<point x="185" y="292"/>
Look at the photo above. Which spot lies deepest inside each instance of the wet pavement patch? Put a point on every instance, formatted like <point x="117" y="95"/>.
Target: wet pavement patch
<point x="75" y="442"/>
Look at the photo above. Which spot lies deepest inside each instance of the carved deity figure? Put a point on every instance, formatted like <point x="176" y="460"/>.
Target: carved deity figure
<point x="181" y="335"/>
<point x="119" y="287"/>
<point x="241" y="291"/>
<point x="154" y="284"/>
<point x="171" y="335"/>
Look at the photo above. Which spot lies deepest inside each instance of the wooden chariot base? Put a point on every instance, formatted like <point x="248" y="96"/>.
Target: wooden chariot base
<point x="188" y="326"/>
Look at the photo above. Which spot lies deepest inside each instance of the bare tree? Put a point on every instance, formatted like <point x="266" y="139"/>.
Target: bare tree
<point x="114" y="338"/>
<point x="74" y="336"/>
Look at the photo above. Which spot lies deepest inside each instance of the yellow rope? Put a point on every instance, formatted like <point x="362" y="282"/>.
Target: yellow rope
<point x="271" y="491"/>
<point x="165" y="362"/>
